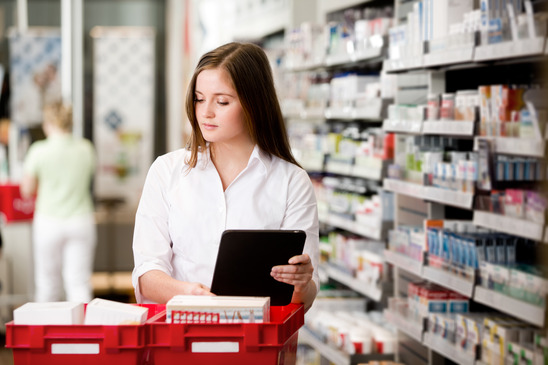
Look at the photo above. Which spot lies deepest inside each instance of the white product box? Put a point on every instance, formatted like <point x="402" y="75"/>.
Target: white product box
<point x="51" y="313"/>
<point x="447" y="12"/>
<point x="108" y="312"/>
<point x="217" y="309"/>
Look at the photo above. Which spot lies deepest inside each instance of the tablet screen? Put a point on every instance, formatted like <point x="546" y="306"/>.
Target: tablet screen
<point x="246" y="258"/>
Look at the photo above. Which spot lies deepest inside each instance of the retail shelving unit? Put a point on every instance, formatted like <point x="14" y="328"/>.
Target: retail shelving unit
<point x="360" y="167"/>
<point x="439" y="67"/>
<point x="414" y="202"/>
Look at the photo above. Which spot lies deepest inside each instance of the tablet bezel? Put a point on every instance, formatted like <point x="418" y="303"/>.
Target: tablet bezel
<point x="245" y="260"/>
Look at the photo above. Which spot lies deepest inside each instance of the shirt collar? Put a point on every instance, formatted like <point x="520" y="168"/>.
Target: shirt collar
<point x="262" y="157"/>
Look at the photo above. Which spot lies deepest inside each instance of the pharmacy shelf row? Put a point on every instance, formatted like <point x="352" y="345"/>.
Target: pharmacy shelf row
<point x="507" y="224"/>
<point x="370" y="168"/>
<point x="415" y="330"/>
<point x="525" y="311"/>
<point x="334" y="355"/>
<point x="439" y="127"/>
<point x="470" y="54"/>
<point x="436" y="343"/>
<point x="373" y="112"/>
<point x="366" y="227"/>
<point x="346" y="59"/>
<point x="457" y="199"/>
<point x="505" y="145"/>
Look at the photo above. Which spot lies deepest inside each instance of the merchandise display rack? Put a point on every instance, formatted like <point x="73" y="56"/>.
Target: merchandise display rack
<point x="334" y="355"/>
<point x="530" y="147"/>
<point x="457" y="199"/>
<point x="373" y="292"/>
<point x="510" y="225"/>
<point x="527" y="312"/>
<point x="374" y="230"/>
<point x="411" y="328"/>
<point x="448" y="350"/>
<point x="415" y="202"/>
<point x="499" y="52"/>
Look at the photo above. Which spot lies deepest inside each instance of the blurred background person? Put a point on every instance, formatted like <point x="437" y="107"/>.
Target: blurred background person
<point x="59" y="171"/>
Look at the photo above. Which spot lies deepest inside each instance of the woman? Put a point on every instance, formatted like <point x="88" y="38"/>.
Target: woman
<point x="237" y="173"/>
<point x="59" y="170"/>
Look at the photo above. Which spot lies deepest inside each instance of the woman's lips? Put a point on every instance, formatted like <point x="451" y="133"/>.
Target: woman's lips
<point x="209" y="126"/>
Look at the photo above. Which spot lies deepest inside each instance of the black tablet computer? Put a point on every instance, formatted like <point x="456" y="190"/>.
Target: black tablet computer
<point x="246" y="258"/>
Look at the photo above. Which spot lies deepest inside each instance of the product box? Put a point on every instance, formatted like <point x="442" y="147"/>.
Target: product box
<point x="432" y="298"/>
<point x="457" y="303"/>
<point x="51" y="313"/>
<point x="80" y="344"/>
<point x="217" y="309"/>
<point x="107" y="312"/>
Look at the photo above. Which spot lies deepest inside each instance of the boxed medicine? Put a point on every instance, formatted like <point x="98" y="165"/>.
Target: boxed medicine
<point x="51" y="313"/>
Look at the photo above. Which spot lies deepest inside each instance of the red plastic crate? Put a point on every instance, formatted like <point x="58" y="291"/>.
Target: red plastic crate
<point x="274" y="342"/>
<point x="78" y="344"/>
<point x="13" y="207"/>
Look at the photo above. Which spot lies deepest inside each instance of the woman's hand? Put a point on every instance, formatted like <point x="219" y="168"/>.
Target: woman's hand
<point x="196" y="289"/>
<point x="298" y="272"/>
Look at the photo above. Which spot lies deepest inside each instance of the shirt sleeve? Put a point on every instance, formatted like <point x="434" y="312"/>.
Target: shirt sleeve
<point x="151" y="238"/>
<point x="302" y="213"/>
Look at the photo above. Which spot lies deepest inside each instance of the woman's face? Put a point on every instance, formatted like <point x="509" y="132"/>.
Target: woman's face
<point x="218" y="109"/>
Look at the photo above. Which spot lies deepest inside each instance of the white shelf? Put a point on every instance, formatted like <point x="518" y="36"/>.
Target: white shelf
<point x="449" y="197"/>
<point x="431" y="193"/>
<point x="510" y="225"/>
<point x="329" y="6"/>
<point x="411" y="328"/>
<point x="336" y="167"/>
<point x="449" y="57"/>
<point x="342" y="59"/>
<point x="335" y="356"/>
<point x="403" y="262"/>
<point x="402" y="126"/>
<point x="366" y="172"/>
<point x="403" y="64"/>
<point x="525" y="311"/>
<point x="405" y="188"/>
<point x="500" y="51"/>
<point x="448" y="350"/>
<point x="372" y="112"/>
<point x="448" y="280"/>
<point x="311" y="160"/>
<point x="374" y="231"/>
<point x="262" y="24"/>
<point x="361" y="287"/>
<point x="449" y="128"/>
<point x="368" y="167"/>
<point x="516" y="146"/>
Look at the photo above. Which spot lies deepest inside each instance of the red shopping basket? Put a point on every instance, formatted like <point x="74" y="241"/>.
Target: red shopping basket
<point x="13" y="207"/>
<point x="274" y="342"/>
<point x="78" y="344"/>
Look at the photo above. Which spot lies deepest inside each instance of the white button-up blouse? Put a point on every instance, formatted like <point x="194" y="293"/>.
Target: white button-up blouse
<point x="182" y="213"/>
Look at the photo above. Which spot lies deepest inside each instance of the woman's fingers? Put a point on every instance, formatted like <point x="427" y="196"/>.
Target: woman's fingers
<point x="298" y="273"/>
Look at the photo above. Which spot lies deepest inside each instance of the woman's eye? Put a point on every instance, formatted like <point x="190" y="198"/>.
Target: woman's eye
<point x="222" y="102"/>
<point x="196" y="100"/>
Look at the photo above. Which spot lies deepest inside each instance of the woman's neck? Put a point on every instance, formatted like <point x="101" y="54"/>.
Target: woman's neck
<point x="230" y="160"/>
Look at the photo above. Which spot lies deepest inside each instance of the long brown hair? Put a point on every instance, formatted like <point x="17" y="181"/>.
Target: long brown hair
<point x="249" y="70"/>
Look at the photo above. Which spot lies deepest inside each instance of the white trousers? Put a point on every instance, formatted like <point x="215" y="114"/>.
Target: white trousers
<point x="64" y="250"/>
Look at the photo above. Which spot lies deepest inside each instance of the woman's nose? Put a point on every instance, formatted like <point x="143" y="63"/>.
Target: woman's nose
<point x="207" y="110"/>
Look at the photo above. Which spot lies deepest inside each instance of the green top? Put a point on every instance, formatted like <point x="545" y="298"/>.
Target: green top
<point x="64" y="167"/>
